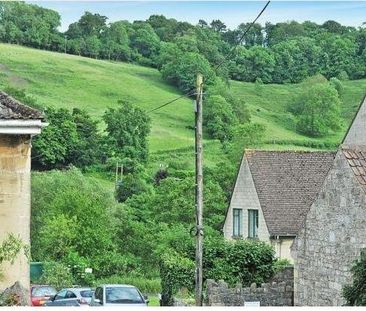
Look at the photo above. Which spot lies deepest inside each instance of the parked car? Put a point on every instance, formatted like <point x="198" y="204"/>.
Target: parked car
<point x="63" y="303"/>
<point x="118" y="295"/>
<point x="40" y="294"/>
<point x="81" y="295"/>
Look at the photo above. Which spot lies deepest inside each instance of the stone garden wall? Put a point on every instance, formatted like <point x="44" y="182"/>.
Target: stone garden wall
<point x="278" y="292"/>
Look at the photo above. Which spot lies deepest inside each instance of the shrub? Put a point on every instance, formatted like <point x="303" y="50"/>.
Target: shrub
<point x="145" y="285"/>
<point x="343" y="76"/>
<point x="128" y="186"/>
<point x="318" y="110"/>
<point x="243" y="261"/>
<point x="176" y="272"/>
<point x="337" y="85"/>
<point x="57" y="274"/>
<point x="355" y="293"/>
<point x="280" y="264"/>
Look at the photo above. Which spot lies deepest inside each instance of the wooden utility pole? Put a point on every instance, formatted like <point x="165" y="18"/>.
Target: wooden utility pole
<point x="199" y="190"/>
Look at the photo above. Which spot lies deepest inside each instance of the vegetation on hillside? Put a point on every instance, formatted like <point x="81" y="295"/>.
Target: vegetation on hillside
<point x="98" y="114"/>
<point x="179" y="48"/>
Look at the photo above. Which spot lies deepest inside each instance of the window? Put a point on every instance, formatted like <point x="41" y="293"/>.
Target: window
<point x="252" y="223"/>
<point x="70" y="295"/>
<point x="237" y="222"/>
<point x="99" y="294"/>
<point x="61" y="294"/>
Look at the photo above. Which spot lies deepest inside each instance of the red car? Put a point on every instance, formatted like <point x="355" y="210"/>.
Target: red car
<point x="41" y="293"/>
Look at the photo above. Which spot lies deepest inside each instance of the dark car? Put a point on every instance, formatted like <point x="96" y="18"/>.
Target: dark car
<point x="40" y="294"/>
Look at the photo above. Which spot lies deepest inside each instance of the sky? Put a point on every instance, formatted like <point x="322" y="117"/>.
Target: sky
<point x="232" y="13"/>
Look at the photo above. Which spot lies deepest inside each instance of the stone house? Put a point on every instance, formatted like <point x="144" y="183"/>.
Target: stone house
<point x="311" y="206"/>
<point x="273" y="192"/>
<point x="333" y="234"/>
<point x="18" y="123"/>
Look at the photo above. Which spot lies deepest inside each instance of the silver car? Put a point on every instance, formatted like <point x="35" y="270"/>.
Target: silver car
<point x="118" y="295"/>
<point x="82" y="295"/>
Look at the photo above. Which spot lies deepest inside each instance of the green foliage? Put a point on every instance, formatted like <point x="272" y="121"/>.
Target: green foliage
<point x="145" y="285"/>
<point x="317" y="110"/>
<point x="337" y="85"/>
<point x="355" y="293"/>
<point x="245" y="135"/>
<point x="267" y="52"/>
<point x="57" y="274"/>
<point x="70" y="213"/>
<point x="10" y="248"/>
<point x="128" y="186"/>
<point x="219" y="118"/>
<point x="127" y="128"/>
<point x="182" y="71"/>
<point x="243" y="261"/>
<point x="281" y="264"/>
<point x="68" y="139"/>
<point x="176" y="272"/>
<point x="21" y="96"/>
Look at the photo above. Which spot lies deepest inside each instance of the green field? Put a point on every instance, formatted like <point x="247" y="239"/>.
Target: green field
<point x="71" y="81"/>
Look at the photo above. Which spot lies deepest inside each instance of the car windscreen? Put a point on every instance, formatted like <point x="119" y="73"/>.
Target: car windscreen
<point x="86" y="293"/>
<point x="123" y="295"/>
<point x="43" y="291"/>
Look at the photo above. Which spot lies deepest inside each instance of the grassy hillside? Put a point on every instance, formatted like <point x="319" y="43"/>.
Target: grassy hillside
<point x="268" y="104"/>
<point x="71" y="81"/>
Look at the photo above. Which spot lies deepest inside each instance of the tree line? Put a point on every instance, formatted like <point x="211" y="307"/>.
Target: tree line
<point x="274" y="53"/>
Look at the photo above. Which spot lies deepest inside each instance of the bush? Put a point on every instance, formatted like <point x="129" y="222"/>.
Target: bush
<point x="355" y="293"/>
<point x="243" y="261"/>
<point x="147" y="286"/>
<point x="337" y="85"/>
<point x="318" y="110"/>
<point x="128" y="186"/>
<point x="343" y="76"/>
<point x="57" y="274"/>
<point x="176" y="272"/>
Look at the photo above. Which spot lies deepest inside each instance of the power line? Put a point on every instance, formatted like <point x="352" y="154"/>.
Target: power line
<point x="242" y="37"/>
<point x="171" y="101"/>
<point x="192" y="91"/>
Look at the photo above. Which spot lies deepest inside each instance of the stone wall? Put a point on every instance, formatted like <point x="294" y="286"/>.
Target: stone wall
<point x="278" y="292"/>
<point x="15" y="202"/>
<point x="356" y="133"/>
<point x="332" y="237"/>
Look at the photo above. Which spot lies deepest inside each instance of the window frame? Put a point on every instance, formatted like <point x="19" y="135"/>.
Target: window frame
<point x="253" y="223"/>
<point x="237" y="214"/>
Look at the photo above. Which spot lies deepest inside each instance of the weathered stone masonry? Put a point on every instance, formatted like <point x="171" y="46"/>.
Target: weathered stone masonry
<point x="278" y="292"/>
<point x="333" y="235"/>
<point x="15" y="201"/>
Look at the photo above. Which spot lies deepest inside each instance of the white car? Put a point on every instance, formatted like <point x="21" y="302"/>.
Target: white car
<point x="118" y="295"/>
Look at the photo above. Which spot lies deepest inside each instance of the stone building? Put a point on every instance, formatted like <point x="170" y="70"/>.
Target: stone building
<point x="333" y="234"/>
<point x="311" y="206"/>
<point x="273" y="192"/>
<point x="18" y="123"/>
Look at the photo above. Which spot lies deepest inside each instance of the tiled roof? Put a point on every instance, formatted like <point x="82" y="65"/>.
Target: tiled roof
<point x="11" y="109"/>
<point x="287" y="183"/>
<point x="356" y="157"/>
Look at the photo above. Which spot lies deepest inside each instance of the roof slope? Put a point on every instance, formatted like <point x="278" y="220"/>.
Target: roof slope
<point x="287" y="183"/>
<point x="11" y="109"/>
<point x="356" y="157"/>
